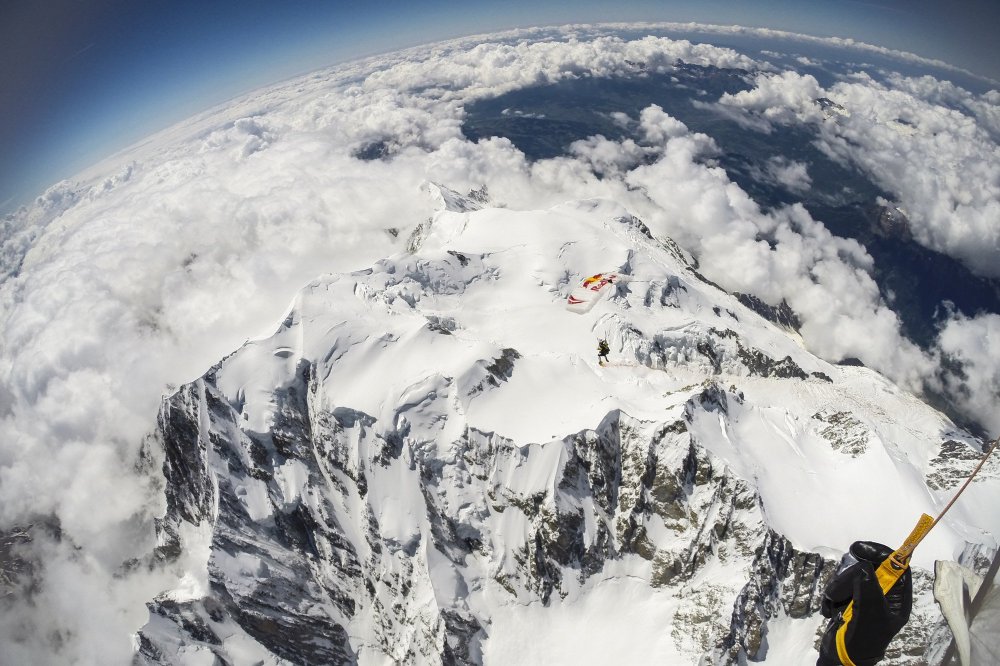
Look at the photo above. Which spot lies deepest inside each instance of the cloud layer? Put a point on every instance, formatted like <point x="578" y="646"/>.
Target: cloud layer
<point x="930" y="144"/>
<point x="121" y="286"/>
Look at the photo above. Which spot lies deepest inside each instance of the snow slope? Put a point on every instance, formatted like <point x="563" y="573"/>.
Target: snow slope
<point x="426" y="464"/>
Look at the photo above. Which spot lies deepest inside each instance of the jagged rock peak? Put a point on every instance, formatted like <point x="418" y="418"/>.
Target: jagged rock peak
<point x="426" y="452"/>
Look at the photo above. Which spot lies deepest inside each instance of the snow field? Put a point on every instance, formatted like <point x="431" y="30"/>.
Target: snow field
<point x="493" y="397"/>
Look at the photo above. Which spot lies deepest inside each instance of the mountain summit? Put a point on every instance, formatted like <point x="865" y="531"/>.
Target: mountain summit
<point x="426" y="463"/>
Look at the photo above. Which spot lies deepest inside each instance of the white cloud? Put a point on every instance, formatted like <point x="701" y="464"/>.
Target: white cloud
<point x="473" y="70"/>
<point x="621" y="119"/>
<point x="840" y="42"/>
<point x="932" y="145"/>
<point x="788" y="173"/>
<point x="752" y="122"/>
<point x="943" y="167"/>
<point x="145" y="285"/>
<point x="824" y="278"/>
<point x="974" y="342"/>
<point x="786" y="97"/>
<point x="605" y="156"/>
<point x="658" y="127"/>
<point x="940" y="162"/>
<point x="985" y="108"/>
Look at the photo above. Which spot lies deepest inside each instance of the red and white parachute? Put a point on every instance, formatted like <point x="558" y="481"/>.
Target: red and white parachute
<point x="592" y="289"/>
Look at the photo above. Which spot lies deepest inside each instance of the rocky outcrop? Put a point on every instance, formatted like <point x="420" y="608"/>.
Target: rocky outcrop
<point x="277" y="557"/>
<point x="844" y="431"/>
<point x="955" y="461"/>
<point x="716" y="351"/>
<point x="299" y="558"/>
<point x="14" y="567"/>
<point x="497" y="370"/>
<point x="781" y="314"/>
<point x="783" y="582"/>
<point x="285" y="569"/>
<point x="329" y="497"/>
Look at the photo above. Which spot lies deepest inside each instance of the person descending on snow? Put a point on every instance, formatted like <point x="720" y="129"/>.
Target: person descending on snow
<point x="875" y="618"/>
<point x="602" y="351"/>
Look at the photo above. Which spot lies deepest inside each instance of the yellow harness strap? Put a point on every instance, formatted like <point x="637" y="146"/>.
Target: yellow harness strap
<point x="887" y="574"/>
<point x="895" y="565"/>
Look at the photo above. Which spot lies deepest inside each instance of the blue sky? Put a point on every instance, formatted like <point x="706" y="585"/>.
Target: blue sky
<point x="81" y="79"/>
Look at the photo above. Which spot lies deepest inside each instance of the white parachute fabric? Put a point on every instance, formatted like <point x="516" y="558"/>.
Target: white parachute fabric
<point x="591" y="289"/>
<point x="954" y="588"/>
<point x="977" y="639"/>
<point x="985" y="630"/>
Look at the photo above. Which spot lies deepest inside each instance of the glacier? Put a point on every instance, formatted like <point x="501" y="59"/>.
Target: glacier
<point x="426" y="464"/>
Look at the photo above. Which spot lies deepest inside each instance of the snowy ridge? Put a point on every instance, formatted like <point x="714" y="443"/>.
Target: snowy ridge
<point x="426" y="464"/>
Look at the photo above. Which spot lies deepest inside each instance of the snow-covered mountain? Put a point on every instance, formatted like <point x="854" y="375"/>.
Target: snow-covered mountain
<point x="426" y="464"/>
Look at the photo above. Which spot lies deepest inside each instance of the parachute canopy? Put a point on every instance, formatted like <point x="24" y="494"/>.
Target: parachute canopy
<point x="591" y="289"/>
<point x="971" y="605"/>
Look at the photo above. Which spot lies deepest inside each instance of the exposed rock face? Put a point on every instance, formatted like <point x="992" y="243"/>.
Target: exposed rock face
<point x="499" y="370"/>
<point x="781" y="314"/>
<point x="783" y="581"/>
<point x="719" y="351"/>
<point x="286" y="571"/>
<point x="292" y="568"/>
<point x="845" y="433"/>
<point x="955" y="461"/>
<point x="341" y="492"/>
<point x="893" y="223"/>
<point x="281" y="566"/>
<point x="13" y="567"/>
